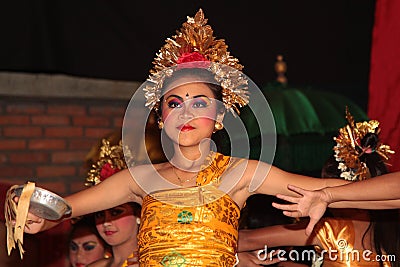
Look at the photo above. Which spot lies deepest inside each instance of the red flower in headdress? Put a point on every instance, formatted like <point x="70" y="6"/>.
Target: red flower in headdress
<point x="190" y="57"/>
<point x="194" y="57"/>
<point x="107" y="170"/>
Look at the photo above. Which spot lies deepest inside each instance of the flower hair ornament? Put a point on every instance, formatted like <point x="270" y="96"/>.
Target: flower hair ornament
<point x="111" y="160"/>
<point x="195" y="43"/>
<point x="348" y="148"/>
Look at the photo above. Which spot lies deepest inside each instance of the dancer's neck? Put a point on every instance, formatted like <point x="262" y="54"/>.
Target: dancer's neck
<point x="190" y="158"/>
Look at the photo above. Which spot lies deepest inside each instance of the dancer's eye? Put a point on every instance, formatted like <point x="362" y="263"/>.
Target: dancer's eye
<point x="73" y="246"/>
<point x="174" y="103"/>
<point x="99" y="215"/>
<point x="117" y="211"/>
<point x="88" y="246"/>
<point x="201" y="102"/>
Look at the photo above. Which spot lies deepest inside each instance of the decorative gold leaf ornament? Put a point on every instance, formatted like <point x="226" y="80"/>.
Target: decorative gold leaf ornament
<point x="195" y="43"/>
<point x="111" y="160"/>
<point x="18" y="213"/>
<point x="348" y="149"/>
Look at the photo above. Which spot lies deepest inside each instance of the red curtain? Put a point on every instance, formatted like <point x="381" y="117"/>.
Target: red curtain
<point x="384" y="84"/>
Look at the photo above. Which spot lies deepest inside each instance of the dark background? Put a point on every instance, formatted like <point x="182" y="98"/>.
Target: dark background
<point x="326" y="44"/>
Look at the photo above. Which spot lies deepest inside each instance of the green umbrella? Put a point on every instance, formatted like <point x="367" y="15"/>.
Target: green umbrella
<point x="298" y="111"/>
<point x="306" y="121"/>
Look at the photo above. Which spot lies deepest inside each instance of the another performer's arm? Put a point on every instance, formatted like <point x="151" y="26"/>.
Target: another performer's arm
<point x="382" y="192"/>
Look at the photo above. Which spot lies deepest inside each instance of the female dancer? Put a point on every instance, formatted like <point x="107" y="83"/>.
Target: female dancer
<point x="118" y="226"/>
<point x="85" y="244"/>
<point x="191" y="203"/>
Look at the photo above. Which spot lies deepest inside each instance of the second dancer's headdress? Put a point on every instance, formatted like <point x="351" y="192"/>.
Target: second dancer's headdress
<point x="111" y="160"/>
<point x="348" y="149"/>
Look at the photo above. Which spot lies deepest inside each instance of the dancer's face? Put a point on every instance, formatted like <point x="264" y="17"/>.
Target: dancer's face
<point x="189" y="112"/>
<point x="85" y="247"/>
<point x="117" y="225"/>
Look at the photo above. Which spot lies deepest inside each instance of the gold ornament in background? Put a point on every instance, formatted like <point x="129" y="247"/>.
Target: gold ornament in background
<point x="195" y="43"/>
<point x="280" y="69"/>
<point x="348" y="148"/>
<point x="111" y="160"/>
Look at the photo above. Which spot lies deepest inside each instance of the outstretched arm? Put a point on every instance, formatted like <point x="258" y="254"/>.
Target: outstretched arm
<point x="381" y="192"/>
<point x="384" y="187"/>
<point x="115" y="190"/>
<point x="275" y="181"/>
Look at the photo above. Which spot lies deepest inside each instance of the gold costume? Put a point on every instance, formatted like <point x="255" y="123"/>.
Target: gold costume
<point x="337" y="237"/>
<point x="126" y="263"/>
<point x="196" y="226"/>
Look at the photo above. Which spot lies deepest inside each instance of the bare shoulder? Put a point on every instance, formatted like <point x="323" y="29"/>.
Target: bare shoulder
<point x="149" y="177"/>
<point x="253" y="164"/>
<point x="257" y="173"/>
<point x="248" y="168"/>
<point x="253" y="167"/>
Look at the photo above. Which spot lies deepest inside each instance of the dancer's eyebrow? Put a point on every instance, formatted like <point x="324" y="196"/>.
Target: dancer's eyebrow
<point x="175" y="96"/>
<point x="181" y="98"/>
<point x="197" y="96"/>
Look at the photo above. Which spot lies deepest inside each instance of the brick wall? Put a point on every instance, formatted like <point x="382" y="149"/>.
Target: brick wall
<point x="48" y="123"/>
<point x="46" y="139"/>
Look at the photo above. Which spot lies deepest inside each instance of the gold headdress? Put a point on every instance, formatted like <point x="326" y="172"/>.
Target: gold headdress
<point x="111" y="160"/>
<point x="195" y="43"/>
<point x="348" y="148"/>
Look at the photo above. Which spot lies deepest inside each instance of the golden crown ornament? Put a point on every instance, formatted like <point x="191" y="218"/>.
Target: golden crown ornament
<point x="348" y="149"/>
<point x="111" y="160"/>
<point x="195" y="42"/>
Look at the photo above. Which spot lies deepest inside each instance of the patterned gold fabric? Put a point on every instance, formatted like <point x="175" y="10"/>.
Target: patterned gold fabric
<point x="126" y="264"/>
<point x="194" y="226"/>
<point x="337" y="237"/>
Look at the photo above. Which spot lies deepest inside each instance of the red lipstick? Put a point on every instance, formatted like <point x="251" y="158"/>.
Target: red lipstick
<point x="107" y="233"/>
<point x="185" y="128"/>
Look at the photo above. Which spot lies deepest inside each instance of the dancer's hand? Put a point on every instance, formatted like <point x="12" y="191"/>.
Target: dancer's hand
<point x="310" y="203"/>
<point x="33" y="223"/>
